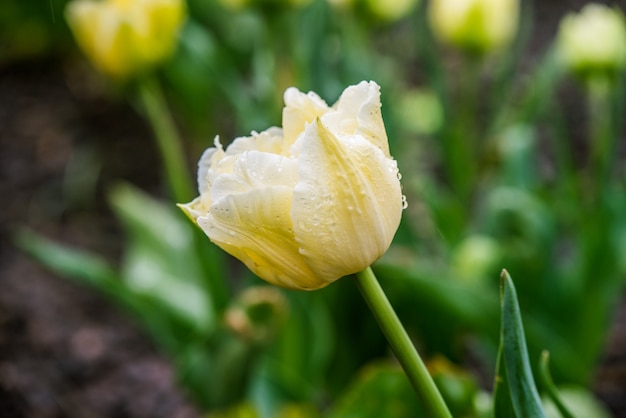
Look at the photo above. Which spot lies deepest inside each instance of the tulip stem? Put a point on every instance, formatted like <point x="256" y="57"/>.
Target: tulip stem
<point x="600" y="131"/>
<point x="401" y="345"/>
<point x="168" y="141"/>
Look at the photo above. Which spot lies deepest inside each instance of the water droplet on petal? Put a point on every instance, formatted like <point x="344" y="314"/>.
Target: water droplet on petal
<point x="405" y="204"/>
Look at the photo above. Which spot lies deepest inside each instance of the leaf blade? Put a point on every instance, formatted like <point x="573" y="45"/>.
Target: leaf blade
<point x="523" y="392"/>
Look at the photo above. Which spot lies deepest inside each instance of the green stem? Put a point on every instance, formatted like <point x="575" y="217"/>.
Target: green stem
<point x="600" y="132"/>
<point x="168" y="141"/>
<point x="466" y="148"/>
<point x="401" y="344"/>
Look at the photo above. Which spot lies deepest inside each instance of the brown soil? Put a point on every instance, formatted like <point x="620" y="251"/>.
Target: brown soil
<point x="66" y="351"/>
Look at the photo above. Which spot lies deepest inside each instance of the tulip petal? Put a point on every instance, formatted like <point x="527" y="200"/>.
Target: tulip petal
<point x="347" y="204"/>
<point x="300" y="109"/>
<point x="357" y="112"/>
<point x="270" y="140"/>
<point x="255" y="227"/>
<point x="255" y="170"/>
<point x="204" y="165"/>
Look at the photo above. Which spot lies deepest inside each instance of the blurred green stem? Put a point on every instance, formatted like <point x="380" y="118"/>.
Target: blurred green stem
<point x="180" y="183"/>
<point x="168" y="141"/>
<point x="401" y="344"/>
<point x="463" y="147"/>
<point x="600" y="129"/>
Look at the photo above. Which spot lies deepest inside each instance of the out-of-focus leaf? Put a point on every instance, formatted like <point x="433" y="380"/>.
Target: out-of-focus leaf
<point x="298" y="411"/>
<point x="164" y="325"/>
<point x="380" y="390"/>
<point x="243" y="410"/>
<point x="515" y="213"/>
<point x="537" y="94"/>
<point x="515" y="391"/>
<point x="579" y="400"/>
<point x="217" y="371"/>
<point x="301" y="356"/>
<point x="471" y="305"/>
<point x="457" y="386"/>
<point x="516" y="147"/>
<point x="76" y="264"/>
<point x="161" y="259"/>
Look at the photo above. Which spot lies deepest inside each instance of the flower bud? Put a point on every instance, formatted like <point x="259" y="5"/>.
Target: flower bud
<point x="476" y="26"/>
<point x="391" y="10"/>
<point x="125" y="37"/>
<point x="257" y="314"/>
<point x="307" y="204"/>
<point x="593" y="40"/>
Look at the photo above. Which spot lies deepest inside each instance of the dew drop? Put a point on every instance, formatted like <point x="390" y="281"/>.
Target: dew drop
<point x="405" y="204"/>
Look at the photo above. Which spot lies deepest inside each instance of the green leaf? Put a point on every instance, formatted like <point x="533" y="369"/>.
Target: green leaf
<point x="161" y="260"/>
<point x="164" y="325"/>
<point x="515" y="391"/>
<point x="304" y="347"/>
<point x="548" y="384"/>
<point x="79" y="265"/>
<point x="434" y="290"/>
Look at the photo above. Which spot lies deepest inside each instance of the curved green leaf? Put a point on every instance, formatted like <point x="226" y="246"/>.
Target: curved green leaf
<point x="548" y="384"/>
<point x="515" y="391"/>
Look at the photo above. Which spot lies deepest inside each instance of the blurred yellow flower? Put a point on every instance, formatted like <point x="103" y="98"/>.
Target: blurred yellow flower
<point x="477" y="26"/>
<point x="307" y="204"/>
<point x="391" y="10"/>
<point x="125" y="37"/>
<point x="594" y="39"/>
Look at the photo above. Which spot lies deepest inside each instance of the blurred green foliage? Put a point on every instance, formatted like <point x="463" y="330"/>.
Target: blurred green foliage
<point x="494" y="175"/>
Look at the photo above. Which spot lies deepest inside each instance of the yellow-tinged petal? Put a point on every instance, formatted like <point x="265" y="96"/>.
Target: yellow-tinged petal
<point x="347" y="203"/>
<point x="300" y="109"/>
<point x="256" y="228"/>
<point x="357" y="112"/>
<point x="123" y="38"/>
<point x="593" y="39"/>
<point x="255" y="170"/>
<point x="270" y="140"/>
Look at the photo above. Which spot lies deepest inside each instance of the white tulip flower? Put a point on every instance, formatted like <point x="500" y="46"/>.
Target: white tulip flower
<point x="308" y="203"/>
